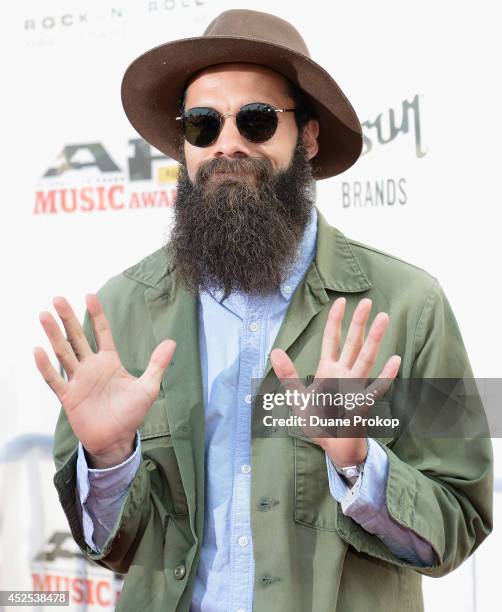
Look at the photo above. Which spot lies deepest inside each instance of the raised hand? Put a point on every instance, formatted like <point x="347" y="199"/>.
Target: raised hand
<point x="104" y="404"/>
<point x="354" y="361"/>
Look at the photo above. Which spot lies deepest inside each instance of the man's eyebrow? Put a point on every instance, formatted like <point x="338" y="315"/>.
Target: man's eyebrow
<point x="217" y="105"/>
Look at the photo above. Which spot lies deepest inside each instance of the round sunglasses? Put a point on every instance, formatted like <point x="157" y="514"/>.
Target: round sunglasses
<point x="257" y="122"/>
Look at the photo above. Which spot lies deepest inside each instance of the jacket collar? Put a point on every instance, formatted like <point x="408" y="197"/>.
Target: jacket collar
<point x="336" y="263"/>
<point x="337" y="267"/>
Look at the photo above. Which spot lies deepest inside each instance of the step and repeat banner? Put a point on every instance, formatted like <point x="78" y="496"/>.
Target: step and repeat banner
<point x="84" y="197"/>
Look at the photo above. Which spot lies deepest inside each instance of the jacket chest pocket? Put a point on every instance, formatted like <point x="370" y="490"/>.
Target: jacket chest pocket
<point x="314" y="505"/>
<point x="157" y="448"/>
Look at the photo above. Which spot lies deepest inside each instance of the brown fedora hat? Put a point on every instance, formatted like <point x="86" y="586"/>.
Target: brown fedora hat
<point x="153" y="83"/>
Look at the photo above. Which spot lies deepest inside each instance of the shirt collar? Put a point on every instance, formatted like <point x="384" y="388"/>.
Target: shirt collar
<point x="304" y="256"/>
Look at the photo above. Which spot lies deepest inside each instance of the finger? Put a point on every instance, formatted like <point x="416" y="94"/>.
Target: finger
<point x="100" y="325"/>
<point x="355" y="334"/>
<point x="331" y="337"/>
<point x="286" y="372"/>
<point x="51" y="376"/>
<point x="284" y="369"/>
<point x="160" y="359"/>
<point x="369" y="351"/>
<point x="74" y="331"/>
<point x="389" y="372"/>
<point x="62" y="348"/>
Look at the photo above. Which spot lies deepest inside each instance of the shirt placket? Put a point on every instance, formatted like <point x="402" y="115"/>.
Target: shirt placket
<point x="251" y="363"/>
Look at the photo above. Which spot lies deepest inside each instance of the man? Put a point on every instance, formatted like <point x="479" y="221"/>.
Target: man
<point x="160" y="467"/>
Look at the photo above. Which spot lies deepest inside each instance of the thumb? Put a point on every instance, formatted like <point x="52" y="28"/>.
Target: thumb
<point x="284" y="369"/>
<point x="160" y="359"/>
<point x="282" y="365"/>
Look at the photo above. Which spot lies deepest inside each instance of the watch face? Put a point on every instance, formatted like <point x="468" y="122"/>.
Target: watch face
<point x="351" y="473"/>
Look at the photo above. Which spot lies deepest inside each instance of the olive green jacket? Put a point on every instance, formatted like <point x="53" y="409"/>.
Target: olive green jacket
<point x="308" y="554"/>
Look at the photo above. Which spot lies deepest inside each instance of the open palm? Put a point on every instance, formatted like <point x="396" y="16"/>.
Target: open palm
<point x="104" y="404"/>
<point x="351" y="365"/>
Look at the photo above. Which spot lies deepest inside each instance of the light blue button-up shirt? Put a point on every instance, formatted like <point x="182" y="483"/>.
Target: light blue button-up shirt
<point x="236" y="336"/>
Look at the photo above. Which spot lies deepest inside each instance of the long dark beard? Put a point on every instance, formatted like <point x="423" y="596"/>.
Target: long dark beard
<point x="240" y="234"/>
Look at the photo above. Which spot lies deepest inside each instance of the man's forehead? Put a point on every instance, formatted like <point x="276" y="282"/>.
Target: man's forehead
<point x="243" y="74"/>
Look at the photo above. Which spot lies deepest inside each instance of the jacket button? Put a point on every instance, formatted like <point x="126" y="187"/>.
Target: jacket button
<point x="180" y="571"/>
<point x="268" y="580"/>
<point x="267" y="504"/>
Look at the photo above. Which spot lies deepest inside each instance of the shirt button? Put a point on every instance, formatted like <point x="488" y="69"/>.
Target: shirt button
<point x="287" y="289"/>
<point x="248" y="398"/>
<point x="245" y="469"/>
<point x="243" y="541"/>
<point x="179" y="572"/>
<point x="253" y="326"/>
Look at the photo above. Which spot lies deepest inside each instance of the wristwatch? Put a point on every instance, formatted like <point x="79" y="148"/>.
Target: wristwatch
<point x="350" y="472"/>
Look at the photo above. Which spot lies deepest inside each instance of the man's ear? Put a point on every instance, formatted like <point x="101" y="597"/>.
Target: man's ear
<point x="309" y="136"/>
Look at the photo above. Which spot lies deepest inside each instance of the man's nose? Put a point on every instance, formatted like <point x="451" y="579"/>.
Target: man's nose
<point x="230" y="141"/>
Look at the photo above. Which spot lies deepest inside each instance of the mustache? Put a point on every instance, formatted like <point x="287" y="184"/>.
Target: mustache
<point x="259" y="168"/>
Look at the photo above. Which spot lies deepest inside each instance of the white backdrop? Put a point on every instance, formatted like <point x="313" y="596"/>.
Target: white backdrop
<point x="81" y="203"/>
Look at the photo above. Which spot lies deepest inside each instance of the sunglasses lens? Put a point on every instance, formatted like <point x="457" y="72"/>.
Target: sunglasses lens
<point x="201" y="126"/>
<point x="257" y="121"/>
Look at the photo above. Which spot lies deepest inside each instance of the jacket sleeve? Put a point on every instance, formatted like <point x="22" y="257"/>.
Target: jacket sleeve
<point x="142" y="517"/>
<point x="365" y="503"/>
<point x="101" y="493"/>
<point x="439" y="487"/>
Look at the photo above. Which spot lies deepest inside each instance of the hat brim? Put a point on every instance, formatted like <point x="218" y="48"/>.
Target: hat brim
<point x="153" y="83"/>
